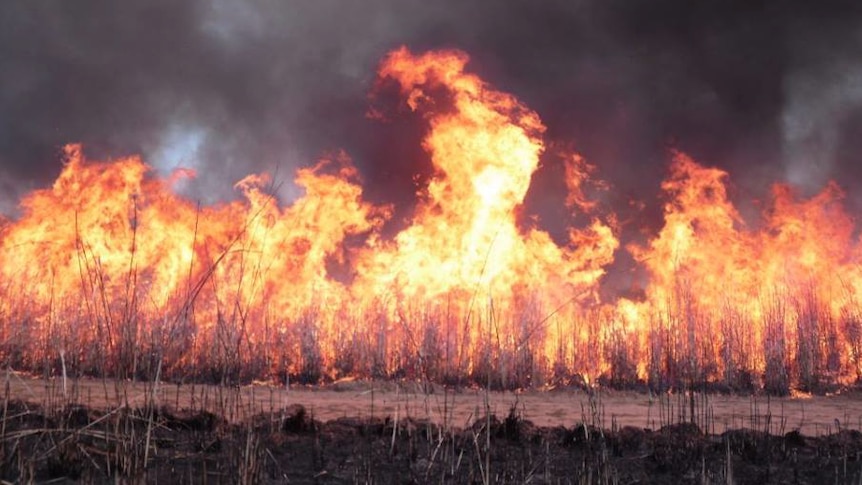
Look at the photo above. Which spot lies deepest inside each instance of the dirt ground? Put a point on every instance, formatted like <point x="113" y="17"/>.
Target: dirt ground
<point x="810" y="415"/>
<point x="97" y="431"/>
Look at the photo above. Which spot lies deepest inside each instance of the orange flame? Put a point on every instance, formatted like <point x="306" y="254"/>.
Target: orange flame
<point x="725" y="300"/>
<point x="125" y="277"/>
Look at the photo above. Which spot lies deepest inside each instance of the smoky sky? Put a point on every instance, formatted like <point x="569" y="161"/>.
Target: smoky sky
<point x="770" y="91"/>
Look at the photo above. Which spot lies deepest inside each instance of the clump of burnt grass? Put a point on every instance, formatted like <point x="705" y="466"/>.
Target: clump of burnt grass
<point x="289" y="445"/>
<point x="222" y="437"/>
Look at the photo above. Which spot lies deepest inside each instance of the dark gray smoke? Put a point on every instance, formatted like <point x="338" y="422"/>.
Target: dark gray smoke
<point x="768" y="90"/>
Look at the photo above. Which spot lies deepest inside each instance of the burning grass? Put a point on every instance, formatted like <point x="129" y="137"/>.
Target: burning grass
<point x="111" y="273"/>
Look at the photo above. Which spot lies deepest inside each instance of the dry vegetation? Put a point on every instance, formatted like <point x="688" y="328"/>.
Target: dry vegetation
<point x="100" y="431"/>
<point x="124" y="426"/>
<point x="147" y="290"/>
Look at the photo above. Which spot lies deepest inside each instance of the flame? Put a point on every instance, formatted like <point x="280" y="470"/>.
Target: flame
<point x="464" y="235"/>
<point x="724" y="299"/>
<point x="464" y="243"/>
<point x="114" y="269"/>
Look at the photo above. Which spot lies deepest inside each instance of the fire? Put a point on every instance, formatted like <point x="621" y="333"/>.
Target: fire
<point x="465" y="245"/>
<point x="123" y="276"/>
<point x="726" y="301"/>
<point x="112" y="255"/>
<point x="464" y="236"/>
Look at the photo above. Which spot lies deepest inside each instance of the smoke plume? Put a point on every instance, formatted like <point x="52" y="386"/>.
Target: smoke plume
<point x="769" y="91"/>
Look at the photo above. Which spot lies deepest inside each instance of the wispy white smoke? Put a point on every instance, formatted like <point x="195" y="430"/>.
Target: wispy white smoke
<point x="818" y="104"/>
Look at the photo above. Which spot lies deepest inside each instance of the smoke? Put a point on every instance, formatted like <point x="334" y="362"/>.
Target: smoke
<point x="823" y="102"/>
<point x="766" y="90"/>
<point x="818" y="104"/>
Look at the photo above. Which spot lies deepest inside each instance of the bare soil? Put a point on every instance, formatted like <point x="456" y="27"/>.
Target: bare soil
<point x="812" y="415"/>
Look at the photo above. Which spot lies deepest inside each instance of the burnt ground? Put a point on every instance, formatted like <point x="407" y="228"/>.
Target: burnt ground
<point x="79" y="444"/>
